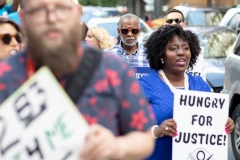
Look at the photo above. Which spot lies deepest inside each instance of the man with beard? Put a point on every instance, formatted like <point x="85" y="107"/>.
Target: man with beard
<point x="7" y="9"/>
<point x="129" y="30"/>
<point x="113" y="97"/>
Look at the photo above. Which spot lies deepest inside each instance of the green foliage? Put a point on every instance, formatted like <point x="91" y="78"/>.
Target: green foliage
<point x="103" y="3"/>
<point x="8" y="1"/>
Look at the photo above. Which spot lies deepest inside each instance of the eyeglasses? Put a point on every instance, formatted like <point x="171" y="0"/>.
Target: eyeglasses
<point x="7" y="38"/>
<point x="177" y="20"/>
<point x="39" y="15"/>
<point x="134" y="31"/>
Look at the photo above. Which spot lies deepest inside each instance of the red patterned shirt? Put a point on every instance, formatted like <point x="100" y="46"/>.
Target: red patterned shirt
<point x="113" y="97"/>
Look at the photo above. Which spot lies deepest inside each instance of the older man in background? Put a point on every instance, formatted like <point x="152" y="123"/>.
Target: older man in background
<point x="129" y="49"/>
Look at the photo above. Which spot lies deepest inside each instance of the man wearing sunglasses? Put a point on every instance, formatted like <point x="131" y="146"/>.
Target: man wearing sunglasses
<point x="174" y="16"/>
<point x="129" y="30"/>
<point x="7" y="9"/>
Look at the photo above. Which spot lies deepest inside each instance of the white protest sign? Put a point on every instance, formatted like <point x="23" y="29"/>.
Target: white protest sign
<point x="198" y="66"/>
<point x="201" y="119"/>
<point x="39" y="121"/>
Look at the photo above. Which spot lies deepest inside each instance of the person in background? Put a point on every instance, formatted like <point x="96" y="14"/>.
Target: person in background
<point x="148" y="19"/>
<point x="7" y="9"/>
<point x="174" y="16"/>
<point x="171" y="51"/>
<point x="84" y="27"/>
<point x="129" y="30"/>
<point x="98" y="37"/>
<point x="112" y="103"/>
<point x="84" y="30"/>
<point x="11" y="38"/>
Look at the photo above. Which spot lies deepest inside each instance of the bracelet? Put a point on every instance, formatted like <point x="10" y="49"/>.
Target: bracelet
<point x="152" y="129"/>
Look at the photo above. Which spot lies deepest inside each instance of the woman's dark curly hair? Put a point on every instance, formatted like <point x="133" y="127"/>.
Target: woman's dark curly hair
<point x="156" y="43"/>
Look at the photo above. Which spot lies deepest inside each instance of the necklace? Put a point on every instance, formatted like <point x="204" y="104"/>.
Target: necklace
<point x="172" y="88"/>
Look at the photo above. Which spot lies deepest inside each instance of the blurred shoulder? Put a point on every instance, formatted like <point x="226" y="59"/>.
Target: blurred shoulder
<point x="12" y="63"/>
<point x="111" y="58"/>
<point x="112" y="49"/>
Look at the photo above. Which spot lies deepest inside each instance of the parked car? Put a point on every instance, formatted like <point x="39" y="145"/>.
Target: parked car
<point x="202" y="17"/>
<point x="232" y="87"/>
<point x="110" y="24"/>
<point x="231" y="19"/>
<point x="90" y="12"/>
<point x="217" y="43"/>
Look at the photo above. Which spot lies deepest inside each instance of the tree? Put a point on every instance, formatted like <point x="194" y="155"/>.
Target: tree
<point x="103" y="3"/>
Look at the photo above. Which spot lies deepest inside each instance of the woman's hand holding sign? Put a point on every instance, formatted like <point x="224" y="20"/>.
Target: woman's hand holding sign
<point x="229" y="125"/>
<point x="167" y="127"/>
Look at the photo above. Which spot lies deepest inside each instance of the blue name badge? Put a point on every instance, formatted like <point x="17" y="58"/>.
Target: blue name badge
<point x="142" y="71"/>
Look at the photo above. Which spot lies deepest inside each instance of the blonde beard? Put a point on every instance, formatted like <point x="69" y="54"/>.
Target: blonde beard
<point x="63" y="58"/>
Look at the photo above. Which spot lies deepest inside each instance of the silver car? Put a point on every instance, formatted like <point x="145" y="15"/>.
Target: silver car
<point x="232" y="87"/>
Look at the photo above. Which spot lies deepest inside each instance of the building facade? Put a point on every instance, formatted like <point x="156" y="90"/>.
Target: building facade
<point x="159" y="7"/>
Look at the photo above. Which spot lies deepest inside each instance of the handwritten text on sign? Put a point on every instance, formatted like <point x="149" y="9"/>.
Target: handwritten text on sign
<point x="40" y="122"/>
<point x="201" y="119"/>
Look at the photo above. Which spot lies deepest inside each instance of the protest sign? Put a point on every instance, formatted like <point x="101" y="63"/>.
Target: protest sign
<point x="39" y="121"/>
<point x="142" y="71"/>
<point x="201" y="119"/>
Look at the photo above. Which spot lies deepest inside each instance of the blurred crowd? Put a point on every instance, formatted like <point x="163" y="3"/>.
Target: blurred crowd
<point x="129" y="119"/>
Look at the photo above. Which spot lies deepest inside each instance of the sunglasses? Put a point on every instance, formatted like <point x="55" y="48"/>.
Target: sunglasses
<point x="7" y="38"/>
<point x="134" y="31"/>
<point x="177" y="20"/>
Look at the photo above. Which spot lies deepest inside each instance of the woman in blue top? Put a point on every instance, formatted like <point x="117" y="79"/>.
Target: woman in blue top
<point x="170" y="52"/>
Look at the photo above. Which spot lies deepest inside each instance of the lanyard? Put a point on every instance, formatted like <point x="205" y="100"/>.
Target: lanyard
<point x="172" y="88"/>
<point x="30" y="67"/>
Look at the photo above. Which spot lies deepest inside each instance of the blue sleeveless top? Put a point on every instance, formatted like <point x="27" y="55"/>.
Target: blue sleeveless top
<point x="161" y="98"/>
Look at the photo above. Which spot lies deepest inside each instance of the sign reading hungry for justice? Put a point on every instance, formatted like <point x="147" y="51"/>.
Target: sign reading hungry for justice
<point x="201" y="119"/>
<point x="39" y="121"/>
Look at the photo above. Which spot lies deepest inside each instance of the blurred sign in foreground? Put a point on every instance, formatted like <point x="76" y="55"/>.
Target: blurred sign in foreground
<point x="39" y="121"/>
